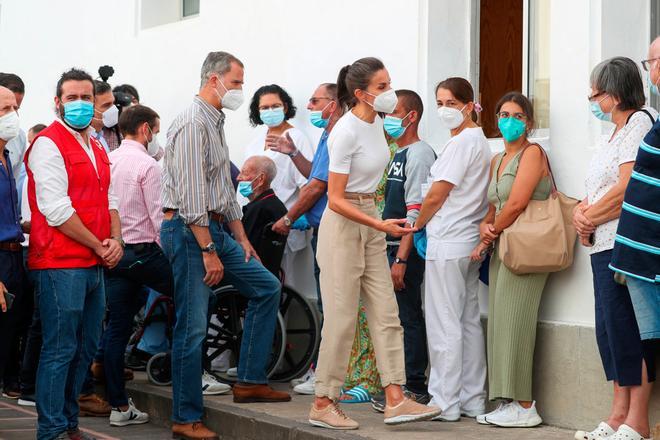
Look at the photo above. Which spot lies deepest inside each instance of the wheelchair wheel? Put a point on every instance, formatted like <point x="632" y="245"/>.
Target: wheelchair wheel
<point x="226" y="332"/>
<point x="159" y="369"/>
<point x="302" y="335"/>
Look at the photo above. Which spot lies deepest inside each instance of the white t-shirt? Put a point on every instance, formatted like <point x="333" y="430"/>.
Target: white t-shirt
<point x="603" y="171"/>
<point x="288" y="179"/>
<point x="453" y="232"/>
<point x="359" y="149"/>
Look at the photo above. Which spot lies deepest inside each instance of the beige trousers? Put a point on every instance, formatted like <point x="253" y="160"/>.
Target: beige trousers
<point x="353" y="263"/>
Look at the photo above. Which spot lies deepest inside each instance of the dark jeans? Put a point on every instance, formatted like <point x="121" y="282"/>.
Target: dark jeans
<point x="617" y="334"/>
<point x="15" y="321"/>
<point x="412" y="321"/>
<point x="191" y="298"/>
<point x="141" y="265"/>
<point x="71" y="305"/>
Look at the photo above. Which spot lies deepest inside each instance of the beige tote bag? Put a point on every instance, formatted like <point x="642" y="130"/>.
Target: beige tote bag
<point x="542" y="238"/>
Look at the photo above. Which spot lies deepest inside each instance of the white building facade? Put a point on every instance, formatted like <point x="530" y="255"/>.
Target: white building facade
<point x="550" y="48"/>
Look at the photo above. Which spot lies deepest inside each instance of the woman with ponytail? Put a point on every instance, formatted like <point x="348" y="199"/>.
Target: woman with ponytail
<point x="351" y="252"/>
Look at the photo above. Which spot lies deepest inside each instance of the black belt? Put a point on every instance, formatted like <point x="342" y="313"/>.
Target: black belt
<point x="11" y="246"/>
<point x="169" y="213"/>
<point x="141" y="247"/>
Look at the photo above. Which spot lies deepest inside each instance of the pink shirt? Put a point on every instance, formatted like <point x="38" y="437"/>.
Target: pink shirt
<point x="136" y="182"/>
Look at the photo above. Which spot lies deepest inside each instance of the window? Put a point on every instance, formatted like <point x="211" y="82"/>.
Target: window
<point x="160" y="12"/>
<point x="514" y="55"/>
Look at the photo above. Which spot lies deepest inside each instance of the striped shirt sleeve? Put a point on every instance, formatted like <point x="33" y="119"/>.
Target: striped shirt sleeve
<point x="189" y="154"/>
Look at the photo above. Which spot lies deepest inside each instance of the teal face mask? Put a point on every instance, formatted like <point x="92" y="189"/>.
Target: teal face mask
<point x="316" y="117"/>
<point x="653" y="88"/>
<point x="394" y="126"/>
<point x="272" y="117"/>
<point x="245" y="189"/>
<point x="598" y="111"/>
<point x="511" y="128"/>
<point x="78" y="114"/>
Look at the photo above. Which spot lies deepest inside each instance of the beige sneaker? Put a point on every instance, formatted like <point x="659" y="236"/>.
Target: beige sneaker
<point x="409" y="411"/>
<point x="331" y="417"/>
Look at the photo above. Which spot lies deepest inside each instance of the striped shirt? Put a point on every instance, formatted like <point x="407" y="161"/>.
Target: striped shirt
<point x="136" y="181"/>
<point x="196" y="170"/>
<point x="637" y="242"/>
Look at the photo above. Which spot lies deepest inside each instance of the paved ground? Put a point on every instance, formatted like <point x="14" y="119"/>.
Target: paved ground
<point x="20" y="423"/>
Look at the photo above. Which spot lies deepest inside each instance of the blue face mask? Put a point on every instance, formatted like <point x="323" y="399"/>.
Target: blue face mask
<point x="272" y="117"/>
<point x="653" y="88"/>
<point x="78" y="114"/>
<point x="598" y="111"/>
<point x="316" y="117"/>
<point x="511" y="128"/>
<point x="245" y="189"/>
<point x="394" y="126"/>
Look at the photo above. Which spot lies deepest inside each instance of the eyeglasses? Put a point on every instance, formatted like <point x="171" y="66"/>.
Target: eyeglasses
<point x="592" y="97"/>
<point x="518" y="116"/>
<point x="314" y="100"/>
<point x="646" y="64"/>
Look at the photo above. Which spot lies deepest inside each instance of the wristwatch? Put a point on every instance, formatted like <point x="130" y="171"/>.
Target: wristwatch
<point x="398" y="260"/>
<point x="209" y="249"/>
<point x="294" y="154"/>
<point x="120" y="241"/>
<point x="287" y="221"/>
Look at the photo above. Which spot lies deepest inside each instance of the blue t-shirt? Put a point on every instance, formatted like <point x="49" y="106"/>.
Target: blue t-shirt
<point x="320" y="165"/>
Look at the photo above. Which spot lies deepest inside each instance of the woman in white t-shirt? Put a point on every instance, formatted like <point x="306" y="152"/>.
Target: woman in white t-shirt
<point x="351" y="252"/>
<point x="451" y="211"/>
<point x="271" y="109"/>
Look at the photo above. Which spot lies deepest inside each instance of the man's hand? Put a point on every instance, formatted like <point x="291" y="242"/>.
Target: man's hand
<point x="248" y="250"/>
<point x="3" y="302"/>
<point x="281" y="144"/>
<point x="398" y="272"/>
<point x="213" y="267"/>
<point x="26" y="226"/>
<point x="281" y="228"/>
<point x="113" y="252"/>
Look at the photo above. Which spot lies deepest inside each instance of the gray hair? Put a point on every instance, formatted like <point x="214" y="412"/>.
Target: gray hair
<point x="218" y="63"/>
<point x="266" y="165"/>
<point x="620" y="78"/>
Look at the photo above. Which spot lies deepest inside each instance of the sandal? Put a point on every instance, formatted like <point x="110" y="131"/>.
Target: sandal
<point x="357" y="394"/>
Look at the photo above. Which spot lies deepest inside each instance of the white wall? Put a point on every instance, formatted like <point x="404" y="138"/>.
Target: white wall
<point x="300" y="43"/>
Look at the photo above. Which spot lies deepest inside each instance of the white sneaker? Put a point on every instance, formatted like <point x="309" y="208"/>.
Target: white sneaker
<point x="602" y="432"/>
<point x="481" y="418"/>
<point x="515" y="416"/>
<point x="625" y="432"/>
<point x="472" y="413"/>
<point x="447" y="417"/>
<point x="304" y="378"/>
<point x="211" y="386"/>
<point x="132" y="416"/>
<point x="307" y="387"/>
<point x="232" y="372"/>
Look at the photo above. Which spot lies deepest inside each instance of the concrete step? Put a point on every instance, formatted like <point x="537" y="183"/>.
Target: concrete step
<point x="288" y="421"/>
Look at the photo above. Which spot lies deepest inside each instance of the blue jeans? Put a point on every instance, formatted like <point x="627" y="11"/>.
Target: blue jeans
<point x="191" y="299"/>
<point x="645" y="298"/>
<point x="71" y="305"/>
<point x="141" y="265"/>
<point x="412" y="320"/>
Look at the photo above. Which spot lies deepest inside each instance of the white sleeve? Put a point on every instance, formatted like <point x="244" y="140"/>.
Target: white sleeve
<point x="51" y="182"/>
<point x="305" y="147"/>
<point x="452" y="164"/>
<point x="640" y="125"/>
<point x="113" y="200"/>
<point x="26" y="215"/>
<point x="341" y="147"/>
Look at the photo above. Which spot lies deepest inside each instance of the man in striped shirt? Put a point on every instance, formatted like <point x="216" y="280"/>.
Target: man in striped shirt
<point x="198" y="197"/>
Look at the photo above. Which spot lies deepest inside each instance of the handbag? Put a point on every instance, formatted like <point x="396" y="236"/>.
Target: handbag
<point x="542" y="238"/>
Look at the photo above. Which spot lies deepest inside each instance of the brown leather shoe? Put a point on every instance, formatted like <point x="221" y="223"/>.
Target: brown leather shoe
<point x="92" y="405"/>
<point x="249" y="393"/>
<point x="99" y="373"/>
<point x="193" y="431"/>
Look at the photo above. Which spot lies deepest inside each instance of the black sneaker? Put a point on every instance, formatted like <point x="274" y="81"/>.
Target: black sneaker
<point x="378" y="401"/>
<point x="137" y="360"/>
<point x="27" y="400"/>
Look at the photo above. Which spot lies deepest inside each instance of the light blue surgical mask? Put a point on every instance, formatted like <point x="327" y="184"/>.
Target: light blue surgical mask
<point x="245" y="188"/>
<point x="598" y="111"/>
<point x="511" y="128"/>
<point x="316" y="117"/>
<point x="78" y="114"/>
<point x="653" y="88"/>
<point x="394" y="126"/>
<point x="272" y="117"/>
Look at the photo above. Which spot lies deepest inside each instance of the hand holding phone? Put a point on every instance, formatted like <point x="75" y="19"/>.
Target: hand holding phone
<point x="6" y="298"/>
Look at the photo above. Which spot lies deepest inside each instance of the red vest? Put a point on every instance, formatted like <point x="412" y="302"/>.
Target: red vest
<point x="50" y="248"/>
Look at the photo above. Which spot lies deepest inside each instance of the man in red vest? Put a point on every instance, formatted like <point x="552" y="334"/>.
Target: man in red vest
<point x="75" y="232"/>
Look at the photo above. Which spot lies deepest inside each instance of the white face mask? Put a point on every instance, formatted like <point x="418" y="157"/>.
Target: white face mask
<point x="450" y="117"/>
<point x="110" y="117"/>
<point x="232" y="99"/>
<point x="385" y="102"/>
<point x="153" y="147"/>
<point x="9" y="126"/>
